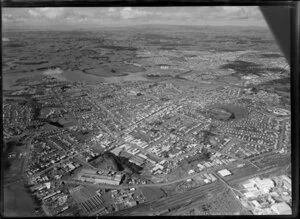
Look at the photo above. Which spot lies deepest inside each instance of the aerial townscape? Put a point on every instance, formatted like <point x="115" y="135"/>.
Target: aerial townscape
<point x="146" y="120"/>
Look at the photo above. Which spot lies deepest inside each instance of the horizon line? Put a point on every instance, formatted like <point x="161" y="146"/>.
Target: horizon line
<point x="74" y="28"/>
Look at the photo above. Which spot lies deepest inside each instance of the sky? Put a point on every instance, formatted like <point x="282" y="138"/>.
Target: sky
<point x="81" y="17"/>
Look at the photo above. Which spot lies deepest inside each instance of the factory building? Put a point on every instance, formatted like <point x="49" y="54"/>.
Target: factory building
<point x="224" y="172"/>
<point x="101" y="179"/>
<point x="281" y="208"/>
<point x="265" y="184"/>
<point x="251" y="194"/>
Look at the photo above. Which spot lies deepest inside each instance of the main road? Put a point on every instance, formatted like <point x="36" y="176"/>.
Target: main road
<point x="211" y="170"/>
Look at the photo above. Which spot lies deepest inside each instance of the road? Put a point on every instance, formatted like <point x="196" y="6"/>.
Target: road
<point x="211" y="170"/>
<point x="228" y="186"/>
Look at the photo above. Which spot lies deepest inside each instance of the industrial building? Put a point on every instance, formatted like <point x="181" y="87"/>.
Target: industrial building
<point x="282" y="208"/>
<point x="94" y="177"/>
<point x="224" y="172"/>
<point x="253" y="194"/>
<point x="265" y="184"/>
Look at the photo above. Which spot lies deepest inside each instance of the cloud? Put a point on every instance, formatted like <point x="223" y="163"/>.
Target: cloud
<point x="48" y="13"/>
<point x="135" y="15"/>
<point x="52" y="13"/>
<point x="239" y="12"/>
<point x="77" y="15"/>
<point x="230" y="9"/>
<point x="7" y="17"/>
<point x="111" y="9"/>
<point x="33" y="13"/>
<point x="129" y="13"/>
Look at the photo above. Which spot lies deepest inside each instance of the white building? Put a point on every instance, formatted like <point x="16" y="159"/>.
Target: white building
<point x="282" y="208"/>
<point x="102" y="179"/>
<point x="206" y="181"/>
<point x="255" y="203"/>
<point x="224" y="172"/>
<point x="249" y="185"/>
<point x="251" y="194"/>
<point x="264" y="185"/>
<point x="191" y="172"/>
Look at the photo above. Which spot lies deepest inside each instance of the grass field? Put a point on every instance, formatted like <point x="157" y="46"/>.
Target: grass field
<point x="152" y="193"/>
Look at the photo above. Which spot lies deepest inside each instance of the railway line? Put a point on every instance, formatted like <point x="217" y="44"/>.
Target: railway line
<point x="195" y="196"/>
<point x="175" y="201"/>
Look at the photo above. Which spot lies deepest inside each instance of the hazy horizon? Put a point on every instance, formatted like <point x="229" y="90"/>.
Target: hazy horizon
<point x="103" y="17"/>
<point x="139" y="26"/>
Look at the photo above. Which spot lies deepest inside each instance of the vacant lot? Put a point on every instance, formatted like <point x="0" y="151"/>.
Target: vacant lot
<point x="152" y="193"/>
